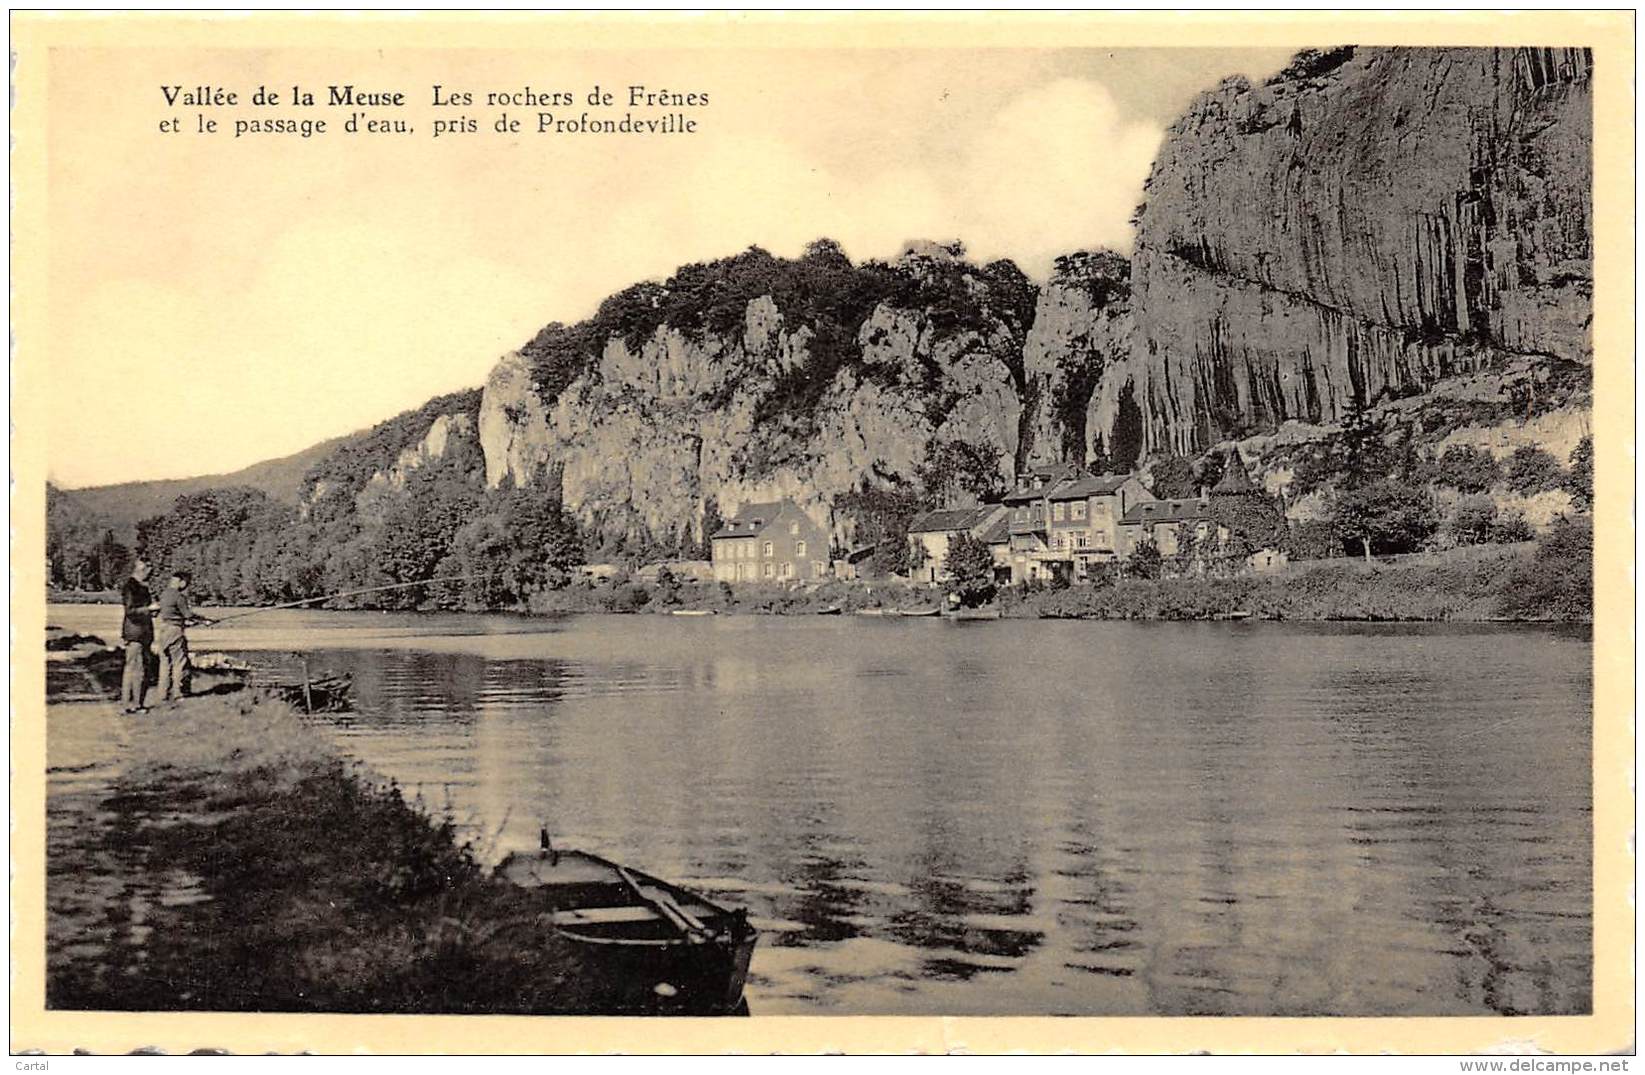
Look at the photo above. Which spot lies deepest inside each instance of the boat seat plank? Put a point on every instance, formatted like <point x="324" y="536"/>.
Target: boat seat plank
<point x="593" y="916"/>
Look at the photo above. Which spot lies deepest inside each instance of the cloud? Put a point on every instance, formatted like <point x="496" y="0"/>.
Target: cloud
<point x="1058" y="168"/>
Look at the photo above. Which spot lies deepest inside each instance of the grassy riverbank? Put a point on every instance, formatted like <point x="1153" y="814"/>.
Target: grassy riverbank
<point x="237" y="863"/>
<point x="1551" y="582"/>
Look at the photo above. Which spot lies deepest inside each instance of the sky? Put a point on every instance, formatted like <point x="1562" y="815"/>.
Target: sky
<point x="215" y="301"/>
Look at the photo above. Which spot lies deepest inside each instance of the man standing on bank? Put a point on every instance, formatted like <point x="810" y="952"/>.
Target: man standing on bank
<point x="136" y="631"/>
<point x="171" y="638"/>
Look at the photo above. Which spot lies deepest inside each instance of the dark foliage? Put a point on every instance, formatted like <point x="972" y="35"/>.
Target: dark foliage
<point x="961" y="470"/>
<point x="880" y="518"/>
<point x="1173" y="477"/>
<point x="347" y="468"/>
<point x="1473" y="521"/>
<point x="1385" y="516"/>
<point x="1313" y="539"/>
<point x="1532" y="470"/>
<point x="1467" y="469"/>
<point x="1125" y="448"/>
<point x="1579" y="478"/>
<point x="1557" y="581"/>
<point x="1145" y="561"/>
<point x="970" y="567"/>
<point x="1313" y="63"/>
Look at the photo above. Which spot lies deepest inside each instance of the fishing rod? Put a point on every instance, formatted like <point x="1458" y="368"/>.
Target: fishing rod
<point x="346" y="593"/>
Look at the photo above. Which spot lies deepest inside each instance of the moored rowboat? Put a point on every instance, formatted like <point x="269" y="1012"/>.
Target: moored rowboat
<point x="654" y="947"/>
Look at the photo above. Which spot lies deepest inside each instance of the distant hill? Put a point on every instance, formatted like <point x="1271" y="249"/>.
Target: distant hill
<point x="119" y="507"/>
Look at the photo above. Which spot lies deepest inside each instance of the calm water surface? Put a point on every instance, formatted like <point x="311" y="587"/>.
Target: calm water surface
<point x="1024" y="817"/>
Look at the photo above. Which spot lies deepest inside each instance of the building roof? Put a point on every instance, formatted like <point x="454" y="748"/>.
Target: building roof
<point x="751" y="519"/>
<point x="950" y="519"/>
<point x="1150" y="512"/>
<point x="1035" y="482"/>
<point x="1090" y="485"/>
<point x="998" y="532"/>
<point x="1235" y="480"/>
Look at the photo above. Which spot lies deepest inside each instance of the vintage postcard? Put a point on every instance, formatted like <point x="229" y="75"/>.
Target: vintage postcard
<point x="911" y="532"/>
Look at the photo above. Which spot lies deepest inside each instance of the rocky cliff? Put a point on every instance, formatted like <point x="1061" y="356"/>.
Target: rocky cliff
<point x="661" y="414"/>
<point x="1366" y="223"/>
<point x="1365" y="226"/>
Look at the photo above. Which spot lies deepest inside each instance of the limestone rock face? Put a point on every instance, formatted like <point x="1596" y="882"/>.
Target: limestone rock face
<point x="1365" y="224"/>
<point x="643" y="443"/>
<point x="1082" y="331"/>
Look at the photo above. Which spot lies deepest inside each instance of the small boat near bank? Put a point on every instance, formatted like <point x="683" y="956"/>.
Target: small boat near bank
<point x="934" y="610"/>
<point x="693" y="612"/>
<point x="656" y="948"/>
<point x="972" y="614"/>
<point x="831" y="610"/>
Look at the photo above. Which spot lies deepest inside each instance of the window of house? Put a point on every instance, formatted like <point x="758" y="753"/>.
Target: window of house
<point x="768" y="548"/>
<point x="818" y="568"/>
<point x="1056" y="511"/>
<point x="799" y="548"/>
<point x="1076" y="510"/>
<point x="793" y="528"/>
<point x="767" y="571"/>
<point x="1082" y="540"/>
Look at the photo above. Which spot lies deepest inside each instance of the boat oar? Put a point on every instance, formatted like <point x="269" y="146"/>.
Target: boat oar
<point x="683" y="920"/>
<point x="345" y="593"/>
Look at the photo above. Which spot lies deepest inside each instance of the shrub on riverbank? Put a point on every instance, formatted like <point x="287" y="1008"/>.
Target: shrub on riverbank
<point x="753" y="598"/>
<point x="240" y="865"/>
<point x="1557" y="580"/>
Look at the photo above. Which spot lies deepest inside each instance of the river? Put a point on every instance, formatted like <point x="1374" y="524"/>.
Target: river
<point x="1023" y="817"/>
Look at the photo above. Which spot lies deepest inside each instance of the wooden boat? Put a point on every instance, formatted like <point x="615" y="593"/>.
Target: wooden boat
<point x="973" y="614"/>
<point x="934" y="610"/>
<point x="875" y="612"/>
<point x="693" y="612"/>
<point x="652" y="947"/>
<point x="216" y="673"/>
<point x="831" y="610"/>
<point x="326" y="694"/>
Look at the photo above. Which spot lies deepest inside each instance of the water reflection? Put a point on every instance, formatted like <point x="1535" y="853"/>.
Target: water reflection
<point x="1022" y="818"/>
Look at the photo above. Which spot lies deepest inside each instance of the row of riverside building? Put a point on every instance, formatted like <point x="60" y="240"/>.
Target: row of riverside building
<point x="1059" y="522"/>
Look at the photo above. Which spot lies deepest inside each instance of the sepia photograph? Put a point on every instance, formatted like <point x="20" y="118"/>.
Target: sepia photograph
<point x="657" y="516"/>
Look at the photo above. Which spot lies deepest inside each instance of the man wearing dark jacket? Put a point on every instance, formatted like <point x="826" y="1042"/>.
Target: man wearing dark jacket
<point x="136" y="631"/>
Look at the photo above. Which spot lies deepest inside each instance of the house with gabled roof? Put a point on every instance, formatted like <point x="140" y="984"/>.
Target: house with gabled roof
<point x="930" y="534"/>
<point x="769" y="541"/>
<point x="1064" y="519"/>
<point x="1206" y="519"/>
<point x="1166" y="523"/>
